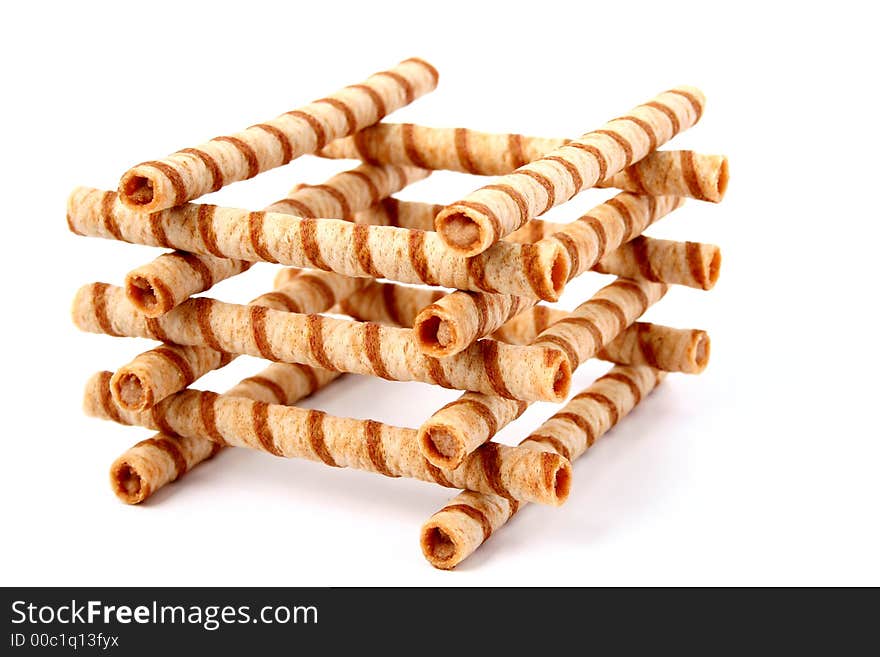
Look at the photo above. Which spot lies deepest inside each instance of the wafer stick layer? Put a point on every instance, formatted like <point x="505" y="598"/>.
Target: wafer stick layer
<point x="683" y="263"/>
<point x="472" y="225"/>
<point x="458" y="529"/>
<point x="364" y="348"/>
<point x="520" y="474"/>
<point x="192" y="172"/>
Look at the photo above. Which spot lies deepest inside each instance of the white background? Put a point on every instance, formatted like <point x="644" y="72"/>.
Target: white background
<point x="761" y="471"/>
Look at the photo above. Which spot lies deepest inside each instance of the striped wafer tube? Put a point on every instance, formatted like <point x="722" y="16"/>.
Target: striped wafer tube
<point x="521" y="474"/>
<point x="488" y="366"/>
<point x="472" y="225"/>
<point x="155" y="374"/>
<point x="461" y="426"/>
<point x="683" y="263"/>
<point x="192" y="172"/>
<point x="159" y="286"/>
<point x="661" y="173"/>
<point x="405" y="214"/>
<point x="399" y="254"/>
<point x="459" y="528"/>
<point x="151" y="464"/>
<point x="457" y="320"/>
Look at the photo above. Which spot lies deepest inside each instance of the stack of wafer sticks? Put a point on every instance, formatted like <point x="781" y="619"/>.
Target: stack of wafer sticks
<point x="329" y="312"/>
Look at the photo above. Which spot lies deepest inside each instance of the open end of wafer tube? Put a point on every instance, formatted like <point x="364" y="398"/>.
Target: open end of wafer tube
<point x="439" y="548"/>
<point x="714" y="270"/>
<point x="562" y="379"/>
<point x="559" y="273"/>
<point x="562" y="482"/>
<point x="440" y="445"/>
<point x="436" y="336"/>
<point x="460" y="232"/>
<point x="146" y="297"/>
<point x="127" y="483"/>
<point x="702" y="349"/>
<point x="723" y="178"/>
<point x="136" y="190"/>
<point x="128" y="391"/>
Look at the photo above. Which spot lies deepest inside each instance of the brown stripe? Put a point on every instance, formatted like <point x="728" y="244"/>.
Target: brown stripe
<point x="473" y="514"/>
<point x="639" y="247"/>
<point x="328" y="296"/>
<point x="599" y="230"/>
<point x="490" y="462"/>
<point x="417" y="257"/>
<point x="623" y="143"/>
<point x="689" y="172"/>
<point x="596" y="153"/>
<point x="339" y="197"/>
<point x="315" y="125"/>
<point x="373" y="350"/>
<point x="157" y="415"/>
<point x="247" y="152"/>
<point x="361" y="234"/>
<point x="409" y="146"/>
<point x="154" y="328"/>
<point x="636" y="289"/>
<point x="99" y="303"/>
<point x="588" y="325"/>
<point x="461" y="149"/>
<point x="210" y="163"/>
<point x="108" y="200"/>
<point x="208" y="417"/>
<point x="314" y="325"/>
<point x="576" y="180"/>
<point x="258" y="329"/>
<point x="301" y="209"/>
<point x="226" y="358"/>
<point x="435" y="371"/>
<point x="350" y="119"/>
<point x="534" y="273"/>
<point x="628" y="382"/>
<point x="158" y="230"/>
<point x="215" y="447"/>
<point x="698" y="108"/>
<point x="377" y="102"/>
<point x="391" y="206"/>
<point x="695" y="262"/>
<point x="483" y="411"/>
<point x="181" y="364"/>
<point x="260" y="417"/>
<point x="106" y="398"/>
<point x="276" y="390"/>
<point x="652" y="207"/>
<point x="205" y="221"/>
<point x="170" y="448"/>
<point x="283" y="140"/>
<point x="195" y="263"/>
<point x="646" y="348"/>
<point x="601" y="399"/>
<point x="203" y="307"/>
<point x="614" y="309"/>
<point x="315" y="429"/>
<point x="517" y="198"/>
<point x="308" y="236"/>
<point x="623" y="211"/>
<point x="579" y="421"/>
<point x="421" y="62"/>
<point x="173" y="176"/>
<point x="389" y="300"/>
<point x="481" y="304"/>
<point x="558" y="446"/>
<point x="646" y="128"/>
<point x="272" y="299"/>
<point x="375" y="196"/>
<point x="486" y="212"/>
<point x="544" y="182"/>
<point x="375" y="449"/>
<point x="673" y="118"/>
<point x="437" y="474"/>
<point x="255" y="232"/>
<point x="309" y="373"/>
<point x="492" y="367"/>
<point x="572" y="248"/>
<point x="515" y="148"/>
<point x="563" y="344"/>
<point x="634" y="176"/>
<point x="476" y="269"/>
<point x="403" y="82"/>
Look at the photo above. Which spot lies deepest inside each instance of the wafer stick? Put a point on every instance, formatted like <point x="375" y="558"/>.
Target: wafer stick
<point x="457" y="320"/>
<point x="192" y="172"/>
<point x="365" y="348"/>
<point x="151" y="464"/>
<point x="684" y="263"/>
<point x="461" y="426"/>
<point x="661" y="173"/>
<point x="405" y="214"/>
<point x="459" y="528"/>
<point x="159" y="286"/>
<point x="471" y="226"/>
<point x="520" y="474"/>
<point x="399" y="254"/>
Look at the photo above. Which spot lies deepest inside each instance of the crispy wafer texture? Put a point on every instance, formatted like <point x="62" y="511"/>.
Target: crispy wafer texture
<point x="461" y="426"/>
<point x="192" y="172"/>
<point x="515" y="473"/>
<point x="405" y="214"/>
<point x="472" y="225"/>
<point x="683" y="263"/>
<point x="675" y="173"/>
<point x="399" y="254"/>
<point x="365" y="348"/>
<point x="159" y="286"/>
<point x="661" y="347"/>
<point x="157" y="461"/>
<point x="459" y="528"/>
<point x="460" y="318"/>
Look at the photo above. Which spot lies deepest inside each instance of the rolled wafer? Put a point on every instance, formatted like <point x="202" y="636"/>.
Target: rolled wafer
<point x="459" y="528"/>
<point x="155" y="374"/>
<point x="159" y="286"/>
<point x="683" y="263"/>
<point x="661" y="173"/>
<point x="509" y="371"/>
<point x="192" y="172"/>
<point x="457" y="320"/>
<point x="405" y="214"/>
<point x="399" y="254"/>
<point x="520" y="474"/>
<point x="151" y="464"/>
<point x="461" y="426"/>
<point x="472" y="225"/>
